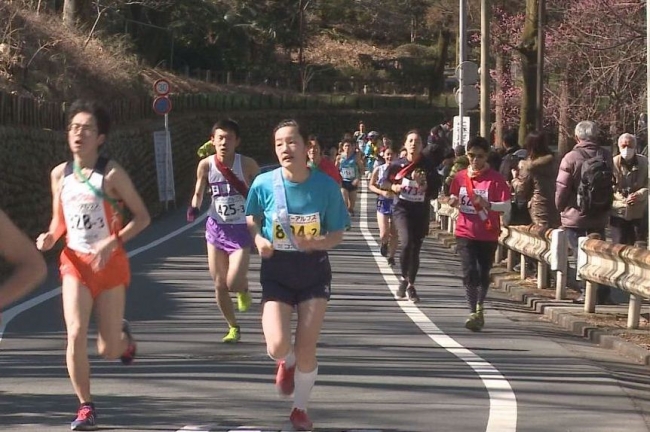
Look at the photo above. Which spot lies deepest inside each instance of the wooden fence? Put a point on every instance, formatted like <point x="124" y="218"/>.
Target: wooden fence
<point x="26" y="111"/>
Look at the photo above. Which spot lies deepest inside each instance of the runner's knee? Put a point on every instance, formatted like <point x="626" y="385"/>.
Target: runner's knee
<point x="278" y="349"/>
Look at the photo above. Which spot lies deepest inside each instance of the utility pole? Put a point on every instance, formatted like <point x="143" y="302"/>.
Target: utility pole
<point x="541" y="12"/>
<point x="462" y="46"/>
<point x="485" y="68"/>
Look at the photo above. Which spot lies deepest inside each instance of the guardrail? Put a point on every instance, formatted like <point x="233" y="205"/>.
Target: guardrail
<point x="445" y="214"/>
<point x="547" y="246"/>
<point x="622" y="266"/>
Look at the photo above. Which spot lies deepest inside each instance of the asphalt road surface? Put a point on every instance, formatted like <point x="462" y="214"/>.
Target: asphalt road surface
<point x="385" y="365"/>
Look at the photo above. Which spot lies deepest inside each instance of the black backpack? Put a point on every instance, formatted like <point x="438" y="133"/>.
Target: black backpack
<point x="595" y="193"/>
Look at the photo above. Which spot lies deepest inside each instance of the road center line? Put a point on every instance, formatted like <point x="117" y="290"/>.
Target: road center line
<point x="503" y="403"/>
<point x="13" y="312"/>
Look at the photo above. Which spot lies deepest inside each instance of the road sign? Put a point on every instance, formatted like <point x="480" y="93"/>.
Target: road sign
<point x="470" y="72"/>
<point x="456" y="130"/>
<point x="162" y="87"/>
<point x="162" y="105"/>
<point x="470" y="97"/>
<point x="164" y="165"/>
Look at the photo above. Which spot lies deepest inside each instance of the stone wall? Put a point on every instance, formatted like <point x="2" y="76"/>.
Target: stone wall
<point x="27" y="156"/>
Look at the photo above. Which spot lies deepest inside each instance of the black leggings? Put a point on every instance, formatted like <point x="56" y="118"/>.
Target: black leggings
<point x="476" y="258"/>
<point x="412" y="224"/>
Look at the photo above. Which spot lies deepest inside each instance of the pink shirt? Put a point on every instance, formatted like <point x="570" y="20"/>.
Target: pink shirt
<point x="490" y="185"/>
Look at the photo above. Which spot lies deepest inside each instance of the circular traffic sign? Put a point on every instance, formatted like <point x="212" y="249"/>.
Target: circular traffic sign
<point x="469" y="95"/>
<point x="469" y="71"/>
<point x="162" y="87"/>
<point x="162" y="105"/>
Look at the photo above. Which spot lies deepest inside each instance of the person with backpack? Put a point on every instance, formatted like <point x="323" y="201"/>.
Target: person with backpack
<point x="584" y="192"/>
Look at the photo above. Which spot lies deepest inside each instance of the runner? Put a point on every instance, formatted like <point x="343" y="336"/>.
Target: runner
<point x="228" y="174"/>
<point x="415" y="181"/>
<point x="88" y="195"/>
<point x="348" y="165"/>
<point x="480" y="193"/>
<point x="295" y="270"/>
<point x="28" y="264"/>
<point x="385" y="198"/>
<point x="316" y="160"/>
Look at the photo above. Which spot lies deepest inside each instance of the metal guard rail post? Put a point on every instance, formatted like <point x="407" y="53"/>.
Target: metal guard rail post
<point x="547" y="246"/>
<point x="622" y="266"/>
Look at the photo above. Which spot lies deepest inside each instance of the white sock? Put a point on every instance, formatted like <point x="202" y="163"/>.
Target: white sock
<point x="304" y="384"/>
<point x="290" y="360"/>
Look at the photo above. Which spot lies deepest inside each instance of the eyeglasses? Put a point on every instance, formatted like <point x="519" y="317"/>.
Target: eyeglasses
<point x="476" y="156"/>
<point x="84" y="129"/>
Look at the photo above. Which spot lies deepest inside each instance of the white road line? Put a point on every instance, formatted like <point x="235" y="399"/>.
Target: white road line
<point x="13" y="312"/>
<point x="503" y="403"/>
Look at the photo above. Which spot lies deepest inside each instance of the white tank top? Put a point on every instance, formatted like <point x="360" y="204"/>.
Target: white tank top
<point x="88" y="218"/>
<point x="228" y="205"/>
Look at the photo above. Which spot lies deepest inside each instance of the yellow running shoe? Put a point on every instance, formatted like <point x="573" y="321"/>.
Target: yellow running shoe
<point x="233" y="335"/>
<point x="244" y="301"/>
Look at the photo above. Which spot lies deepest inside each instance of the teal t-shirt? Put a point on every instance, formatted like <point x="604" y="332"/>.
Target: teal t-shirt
<point x="315" y="207"/>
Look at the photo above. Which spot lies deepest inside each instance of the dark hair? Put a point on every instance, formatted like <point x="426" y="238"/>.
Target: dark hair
<point x="413" y="131"/>
<point x="449" y="154"/>
<point x="97" y="110"/>
<point x="226" y="125"/>
<point x="536" y="145"/>
<point x="480" y="142"/>
<point x="511" y="138"/>
<point x="288" y="123"/>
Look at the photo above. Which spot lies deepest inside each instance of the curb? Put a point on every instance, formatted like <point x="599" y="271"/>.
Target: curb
<point x="556" y="311"/>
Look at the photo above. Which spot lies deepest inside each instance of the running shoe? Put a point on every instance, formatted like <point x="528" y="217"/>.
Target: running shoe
<point x="244" y="300"/>
<point x="300" y="420"/>
<point x="86" y="419"/>
<point x="480" y="319"/>
<point x="129" y="355"/>
<point x="412" y="294"/>
<point x="383" y="249"/>
<point x="401" y="290"/>
<point x="284" y="379"/>
<point x="391" y="261"/>
<point x="233" y="336"/>
<point x="472" y="322"/>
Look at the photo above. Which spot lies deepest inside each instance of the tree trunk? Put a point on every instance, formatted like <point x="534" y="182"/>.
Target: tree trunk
<point x="77" y="13"/>
<point x="437" y="82"/>
<point x="499" y="100"/>
<point x="564" y="120"/>
<point x="528" y="54"/>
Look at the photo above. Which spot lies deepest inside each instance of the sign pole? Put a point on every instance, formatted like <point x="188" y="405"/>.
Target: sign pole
<point x="165" y="173"/>
<point x="462" y="37"/>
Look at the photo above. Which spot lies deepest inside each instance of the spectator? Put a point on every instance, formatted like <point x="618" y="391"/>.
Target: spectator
<point x="445" y="168"/>
<point x="512" y="155"/>
<point x="534" y="183"/>
<point x="509" y="164"/>
<point x="576" y="220"/>
<point x="460" y="163"/>
<point x="629" y="211"/>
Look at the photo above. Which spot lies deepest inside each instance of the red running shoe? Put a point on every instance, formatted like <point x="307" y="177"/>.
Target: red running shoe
<point x="86" y="419"/>
<point x="284" y="379"/>
<point x="129" y="355"/>
<point x="300" y="420"/>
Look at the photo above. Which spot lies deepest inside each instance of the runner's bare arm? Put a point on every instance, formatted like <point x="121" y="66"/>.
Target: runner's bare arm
<point x="201" y="183"/>
<point x="118" y="184"/>
<point x="324" y="243"/>
<point x="372" y="183"/>
<point x="251" y="170"/>
<point x="29" y="265"/>
<point x="57" y="224"/>
<point x="264" y="246"/>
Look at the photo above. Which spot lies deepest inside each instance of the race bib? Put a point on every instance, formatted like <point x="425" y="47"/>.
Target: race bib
<point x="348" y="173"/>
<point x="87" y="224"/>
<point x="465" y="202"/>
<point x="230" y="209"/>
<point x="301" y="226"/>
<point x="411" y="191"/>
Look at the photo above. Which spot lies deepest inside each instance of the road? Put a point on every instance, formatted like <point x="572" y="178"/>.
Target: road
<point x="385" y="365"/>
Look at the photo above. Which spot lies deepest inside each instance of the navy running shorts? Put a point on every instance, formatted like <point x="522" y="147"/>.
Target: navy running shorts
<point x="348" y="186"/>
<point x="385" y="206"/>
<point x="295" y="277"/>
